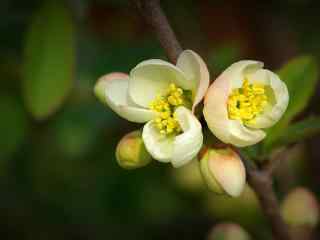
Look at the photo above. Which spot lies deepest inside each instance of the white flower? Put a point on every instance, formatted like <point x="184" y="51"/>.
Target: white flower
<point x="242" y="101"/>
<point x="163" y="96"/>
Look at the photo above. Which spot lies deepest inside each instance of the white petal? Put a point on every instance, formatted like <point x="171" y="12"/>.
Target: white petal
<point x="242" y="136"/>
<point x="216" y="113"/>
<point x="259" y="77"/>
<point x="116" y="95"/>
<point x="151" y="78"/>
<point x="187" y="144"/>
<point x="197" y="72"/>
<point x="158" y="145"/>
<point x="100" y="86"/>
<point x="180" y="149"/>
<point x="275" y="111"/>
<point x="239" y="70"/>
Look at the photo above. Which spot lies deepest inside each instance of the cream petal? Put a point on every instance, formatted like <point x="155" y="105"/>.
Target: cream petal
<point x="273" y="112"/>
<point x="237" y="71"/>
<point x="151" y="78"/>
<point x="197" y="72"/>
<point x="261" y="76"/>
<point x="180" y="149"/>
<point x="116" y="97"/>
<point x="100" y="86"/>
<point x="186" y="145"/>
<point x="158" y="145"/>
<point x="216" y="113"/>
<point x="242" y="136"/>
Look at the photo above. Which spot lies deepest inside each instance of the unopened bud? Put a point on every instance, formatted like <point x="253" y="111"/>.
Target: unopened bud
<point x="100" y="86"/>
<point x="228" y="231"/>
<point x="300" y="208"/>
<point x="223" y="171"/>
<point x="131" y="152"/>
<point x="188" y="177"/>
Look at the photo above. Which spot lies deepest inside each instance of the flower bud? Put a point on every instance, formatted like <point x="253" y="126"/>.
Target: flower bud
<point x="300" y="208"/>
<point x="131" y="152"/>
<point x="228" y="231"/>
<point x="223" y="171"/>
<point x="188" y="177"/>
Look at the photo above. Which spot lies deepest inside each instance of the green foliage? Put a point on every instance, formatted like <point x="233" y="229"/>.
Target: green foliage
<point x="13" y="125"/>
<point x="222" y="57"/>
<point x="300" y="76"/>
<point x="49" y="60"/>
<point x="299" y="131"/>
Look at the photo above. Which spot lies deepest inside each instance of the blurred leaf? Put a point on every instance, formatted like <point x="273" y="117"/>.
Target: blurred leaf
<point x="49" y="60"/>
<point x="243" y="209"/>
<point x="300" y="76"/>
<point x="77" y="128"/>
<point x="13" y="125"/>
<point x="223" y="56"/>
<point x="299" y="131"/>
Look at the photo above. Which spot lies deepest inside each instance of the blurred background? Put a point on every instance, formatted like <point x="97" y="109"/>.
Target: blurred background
<point x="58" y="173"/>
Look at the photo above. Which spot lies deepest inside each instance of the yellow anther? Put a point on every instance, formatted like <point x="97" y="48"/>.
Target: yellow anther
<point x="165" y="115"/>
<point x="172" y="100"/>
<point x="169" y="130"/>
<point x="172" y="87"/>
<point x="163" y="131"/>
<point x="165" y="106"/>
<point x="158" y="120"/>
<point x="247" y="102"/>
<point x="165" y="122"/>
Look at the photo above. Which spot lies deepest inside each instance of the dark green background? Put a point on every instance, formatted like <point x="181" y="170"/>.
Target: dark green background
<point x="58" y="176"/>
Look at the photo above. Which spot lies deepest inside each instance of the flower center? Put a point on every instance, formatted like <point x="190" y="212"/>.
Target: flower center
<point x="247" y="102"/>
<point x="166" y="121"/>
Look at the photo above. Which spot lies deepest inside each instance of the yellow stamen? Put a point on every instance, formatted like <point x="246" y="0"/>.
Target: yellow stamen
<point x="166" y="121"/>
<point x="247" y="102"/>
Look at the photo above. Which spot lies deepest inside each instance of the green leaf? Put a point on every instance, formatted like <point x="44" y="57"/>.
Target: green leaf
<point x="13" y="125"/>
<point x="300" y="76"/>
<point x="299" y="131"/>
<point x="49" y="60"/>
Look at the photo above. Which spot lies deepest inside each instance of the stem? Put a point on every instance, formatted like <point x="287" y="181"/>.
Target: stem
<point x="154" y="16"/>
<point x="259" y="180"/>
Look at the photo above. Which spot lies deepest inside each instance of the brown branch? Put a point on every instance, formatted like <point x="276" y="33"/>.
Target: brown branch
<point x="259" y="180"/>
<point x="154" y="16"/>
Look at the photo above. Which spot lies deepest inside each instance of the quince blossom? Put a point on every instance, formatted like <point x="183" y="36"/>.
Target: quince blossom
<point x="242" y="101"/>
<point x="164" y="97"/>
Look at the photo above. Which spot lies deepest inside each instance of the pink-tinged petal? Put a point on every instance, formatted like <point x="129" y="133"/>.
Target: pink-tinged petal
<point x="115" y="87"/>
<point x="215" y="106"/>
<point x="197" y="72"/>
<point x="100" y="86"/>
<point x="228" y="170"/>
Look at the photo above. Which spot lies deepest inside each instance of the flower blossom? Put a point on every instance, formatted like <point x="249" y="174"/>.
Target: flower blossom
<point x="163" y="96"/>
<point x="244" y="100"/>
